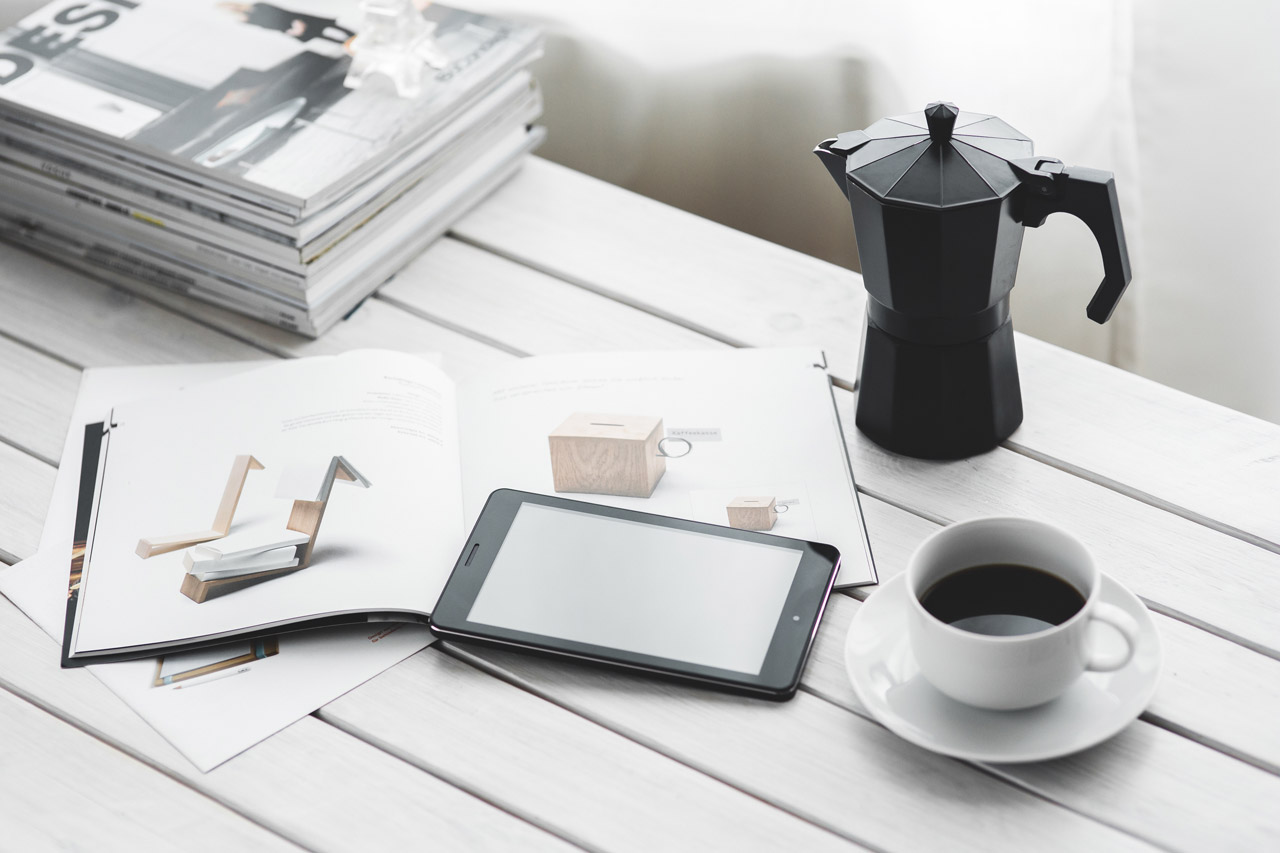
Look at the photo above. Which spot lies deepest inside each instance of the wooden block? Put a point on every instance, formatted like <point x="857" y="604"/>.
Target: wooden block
<point x="304" y="517"/>
<point x="164" y="544"/>
<point x="605" y="454"/>
<point x="752" y="512"/>
<point x="201" y="591"/>
<point x="240" y="468"/>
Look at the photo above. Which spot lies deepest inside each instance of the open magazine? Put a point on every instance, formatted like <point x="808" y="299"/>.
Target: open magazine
<point x="338" y="490"/>
<point x="214" y="702"/>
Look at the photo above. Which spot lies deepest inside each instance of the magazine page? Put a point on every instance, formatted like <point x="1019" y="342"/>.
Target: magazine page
<point x="247" y="93"/>
<point x="211" y="705"/>
<point x="321" y="488"/>
<point x="749" y="437"/>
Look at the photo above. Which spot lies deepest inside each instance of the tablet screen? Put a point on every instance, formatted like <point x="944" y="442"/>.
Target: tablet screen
<point x="636" y="587"/>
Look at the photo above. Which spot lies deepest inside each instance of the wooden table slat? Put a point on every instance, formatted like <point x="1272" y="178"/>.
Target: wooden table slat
<point x="37" y="393"/>
<point x="465" y="287"/>
<point x="62" y="789"/>
<point x="711" y="278"/>
<point x="288" y="783"/>
<point x="44" y="303"/>
<point x="378" y="323"/>
<point x="1145" y="780"/>
<point x="1177" y="566"/>
<point x="814" y="759"/>
<point x="28" y="486"/>
<point x="547" y="765"/>
<point x="1205" y="461"/>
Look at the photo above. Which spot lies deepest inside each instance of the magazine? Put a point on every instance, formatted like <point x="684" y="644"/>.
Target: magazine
<point x="287" y="255"/>
<point x="336" y="490"/>
<point x="212" y="703"/>
<point x="418" y="218"/>
<point x="238" y="104"/>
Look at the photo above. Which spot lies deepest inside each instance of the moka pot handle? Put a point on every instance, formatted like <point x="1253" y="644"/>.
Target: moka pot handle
<point x="1090" y="195"/>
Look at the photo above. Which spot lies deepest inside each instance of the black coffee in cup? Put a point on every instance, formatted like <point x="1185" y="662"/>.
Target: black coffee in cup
<point x="1002" y="599"/>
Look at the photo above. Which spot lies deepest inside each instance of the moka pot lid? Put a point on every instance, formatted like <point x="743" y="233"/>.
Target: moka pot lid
<point x="941" y="157"/>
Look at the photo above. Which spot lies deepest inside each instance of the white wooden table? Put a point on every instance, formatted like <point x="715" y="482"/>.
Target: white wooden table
<point x="458" y="749"/>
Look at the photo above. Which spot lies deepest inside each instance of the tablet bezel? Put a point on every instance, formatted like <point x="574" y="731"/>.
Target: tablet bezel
<point x="784" y="661"/>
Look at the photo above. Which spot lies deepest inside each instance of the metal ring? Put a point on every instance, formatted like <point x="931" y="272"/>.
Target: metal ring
<point x="662" y="451"/>
<point x="780" y="508"/>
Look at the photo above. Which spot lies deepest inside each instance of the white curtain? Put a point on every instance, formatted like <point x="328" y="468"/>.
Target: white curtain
<point x="714" y="106"/>
<point x="1206" y="82"/>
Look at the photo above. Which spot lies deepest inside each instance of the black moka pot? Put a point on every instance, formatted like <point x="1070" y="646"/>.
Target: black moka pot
<point x="939" y="201"/>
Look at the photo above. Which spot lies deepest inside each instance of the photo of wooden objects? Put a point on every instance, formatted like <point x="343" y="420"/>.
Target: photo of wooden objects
<point x="240" y="469"/>
<point x="174" y="669"/>
<point x="754" y="512"/>
<point x="212" y="573"/>
<point x="606" y="454"/>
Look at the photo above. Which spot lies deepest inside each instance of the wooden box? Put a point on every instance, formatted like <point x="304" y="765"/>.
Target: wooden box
<point x="752" y="512"/>
<point x="606" y="454"/>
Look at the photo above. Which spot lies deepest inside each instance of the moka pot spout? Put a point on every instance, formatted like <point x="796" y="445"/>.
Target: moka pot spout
<point x="834" y="153"/>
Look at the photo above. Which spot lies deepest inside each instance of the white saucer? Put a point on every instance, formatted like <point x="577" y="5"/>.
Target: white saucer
<point x="887" y="680"/>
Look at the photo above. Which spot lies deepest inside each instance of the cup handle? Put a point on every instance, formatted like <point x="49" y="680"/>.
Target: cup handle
<point x="1128" y="628"/>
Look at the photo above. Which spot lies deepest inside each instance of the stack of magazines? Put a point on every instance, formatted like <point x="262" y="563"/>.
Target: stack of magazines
<point x="224" y="150"/>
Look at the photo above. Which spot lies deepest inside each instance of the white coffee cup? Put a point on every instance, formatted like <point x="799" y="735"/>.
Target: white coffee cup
<point x="1019" y="670"/>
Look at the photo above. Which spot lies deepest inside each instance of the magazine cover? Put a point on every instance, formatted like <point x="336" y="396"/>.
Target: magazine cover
<point x="245" y="94"/>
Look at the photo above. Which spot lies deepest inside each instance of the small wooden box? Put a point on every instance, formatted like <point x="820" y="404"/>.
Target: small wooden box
<point x="604" y="454"/>
<point x="752" y="512"/>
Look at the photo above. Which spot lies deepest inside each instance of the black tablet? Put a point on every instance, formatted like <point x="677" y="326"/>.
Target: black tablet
<point x="731" y="608"/>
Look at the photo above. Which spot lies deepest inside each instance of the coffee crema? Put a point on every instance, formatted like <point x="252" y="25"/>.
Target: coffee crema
<point x="1002" y="599"/>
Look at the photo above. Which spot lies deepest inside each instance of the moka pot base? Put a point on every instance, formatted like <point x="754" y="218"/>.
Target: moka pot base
<point x="940" y="400"/>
